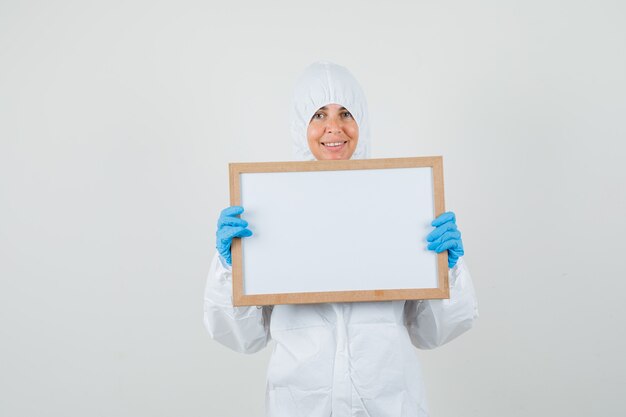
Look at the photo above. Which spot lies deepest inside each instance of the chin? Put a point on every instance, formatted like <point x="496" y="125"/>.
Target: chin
<point x="333" y="157"/>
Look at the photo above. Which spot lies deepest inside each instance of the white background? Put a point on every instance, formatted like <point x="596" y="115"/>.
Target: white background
<point x="118" y="119"/>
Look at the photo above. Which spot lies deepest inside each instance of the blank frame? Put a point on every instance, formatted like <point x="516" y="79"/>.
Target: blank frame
<point x="338" y="231"/>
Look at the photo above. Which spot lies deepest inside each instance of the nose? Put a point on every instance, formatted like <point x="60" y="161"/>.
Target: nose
<point x="334" y="125"/>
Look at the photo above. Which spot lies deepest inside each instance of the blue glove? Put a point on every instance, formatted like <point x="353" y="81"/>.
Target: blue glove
<point x="230" y="226"/>
<point x="446" y="236"/>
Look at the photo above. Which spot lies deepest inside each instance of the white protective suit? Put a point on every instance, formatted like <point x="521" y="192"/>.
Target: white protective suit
<point x="342" y="359"/>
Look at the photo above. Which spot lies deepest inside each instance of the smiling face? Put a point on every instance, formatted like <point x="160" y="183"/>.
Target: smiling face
<point x="332" y="133"/>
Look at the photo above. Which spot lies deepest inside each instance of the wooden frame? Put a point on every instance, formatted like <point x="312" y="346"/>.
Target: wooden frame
<point x="240" y="298"/>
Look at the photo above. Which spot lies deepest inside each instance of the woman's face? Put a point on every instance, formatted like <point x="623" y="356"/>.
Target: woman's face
<point x="332" y="133"/>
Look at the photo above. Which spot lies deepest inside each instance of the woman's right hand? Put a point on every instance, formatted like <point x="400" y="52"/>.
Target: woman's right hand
<point x="230" y="226"/>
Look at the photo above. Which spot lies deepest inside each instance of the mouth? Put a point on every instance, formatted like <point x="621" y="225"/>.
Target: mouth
<point x="334" y="145"/>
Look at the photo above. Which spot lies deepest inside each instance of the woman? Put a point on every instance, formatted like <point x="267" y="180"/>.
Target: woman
<point x="339" y="359"/>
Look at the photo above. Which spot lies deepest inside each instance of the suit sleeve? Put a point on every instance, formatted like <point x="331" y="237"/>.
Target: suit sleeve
<point x="432" y="323"/>
<point x="243" y="329"/>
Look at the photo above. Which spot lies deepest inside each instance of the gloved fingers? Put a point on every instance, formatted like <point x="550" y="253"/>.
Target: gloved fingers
<point x="245" y="232"/>
<point x="226" y="234"/>
<point x="449" y="235"/>
<point x="446" y="217"/>
<point x="231" y="221"/>
<point x="225" y="237"/>
<point x="452" y="259"/>
<point x="447" y="245"/>
<point x="440" y="231"/>
<point x="231" y="211"/>
<point x="458" y="251"/>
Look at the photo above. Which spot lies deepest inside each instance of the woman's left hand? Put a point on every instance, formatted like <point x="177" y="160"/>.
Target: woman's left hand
<point x="446" y="236"/>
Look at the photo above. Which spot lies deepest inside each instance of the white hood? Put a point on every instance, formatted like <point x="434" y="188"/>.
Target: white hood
<point x="325" y="83"/>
